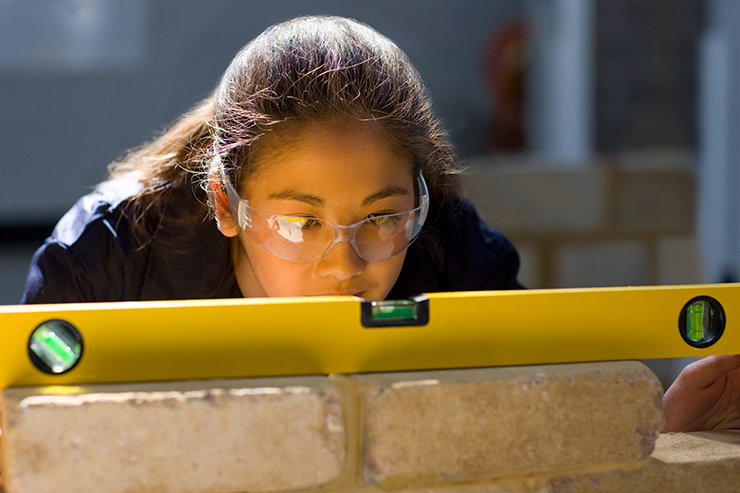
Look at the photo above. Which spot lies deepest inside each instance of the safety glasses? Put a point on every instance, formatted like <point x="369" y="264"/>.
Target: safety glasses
<point x="308" y="239"/>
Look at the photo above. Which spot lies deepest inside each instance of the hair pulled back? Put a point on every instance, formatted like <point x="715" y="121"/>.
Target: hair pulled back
<point x="309" y="69"/>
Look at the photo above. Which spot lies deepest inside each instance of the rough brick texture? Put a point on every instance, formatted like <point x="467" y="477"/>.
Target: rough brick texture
<point x="215" y="436"/>
<point x="455" y="426"/>
<point x="538" y="429"/>
<point x="681" y="463"/>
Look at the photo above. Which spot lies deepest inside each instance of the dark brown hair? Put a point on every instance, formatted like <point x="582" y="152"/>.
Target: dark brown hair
<point x="305" y="70"/>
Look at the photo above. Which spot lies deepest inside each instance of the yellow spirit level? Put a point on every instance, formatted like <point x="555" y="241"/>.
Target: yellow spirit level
<point x="182" y="340"/>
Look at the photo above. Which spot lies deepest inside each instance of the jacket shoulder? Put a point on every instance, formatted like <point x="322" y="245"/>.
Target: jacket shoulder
<point x="84" y="258"/>
<point x="102" y="204"/>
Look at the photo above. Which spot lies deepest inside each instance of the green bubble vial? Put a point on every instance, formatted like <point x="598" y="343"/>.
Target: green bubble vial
<point x="56" y="346"/>
<point x="395" y="313"/>
<point x="702" y="321"/>
<point x="397" y="310"/>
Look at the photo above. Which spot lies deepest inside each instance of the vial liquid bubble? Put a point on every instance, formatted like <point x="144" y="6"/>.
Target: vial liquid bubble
<point x="698" y="316"/>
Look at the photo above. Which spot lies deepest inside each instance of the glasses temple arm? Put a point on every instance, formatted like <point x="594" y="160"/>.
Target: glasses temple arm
<point x="423" y="199"/>
<point x="233" y="197"/>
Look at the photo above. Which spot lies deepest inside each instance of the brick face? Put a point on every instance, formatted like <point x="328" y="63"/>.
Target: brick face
<point x="681" y="463"/>
<point x="198" y="436"/>
<point x="501" y="486"/>
<point x="439" y="427"/>
<point x="538" y="429"/>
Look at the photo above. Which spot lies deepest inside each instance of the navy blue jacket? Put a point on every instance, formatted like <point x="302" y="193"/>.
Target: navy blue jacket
<point x="93" y="256"/>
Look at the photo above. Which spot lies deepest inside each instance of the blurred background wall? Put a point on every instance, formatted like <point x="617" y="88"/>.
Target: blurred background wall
<point x="601" y="135"/>
<point x="82" y="81"/>
<point x="587" y="124"/>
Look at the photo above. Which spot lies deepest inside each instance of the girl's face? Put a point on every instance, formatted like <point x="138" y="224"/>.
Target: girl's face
<point x="338" y="172"/>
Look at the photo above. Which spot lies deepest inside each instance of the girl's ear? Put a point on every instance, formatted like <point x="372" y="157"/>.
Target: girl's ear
<point x="224" y="218"/>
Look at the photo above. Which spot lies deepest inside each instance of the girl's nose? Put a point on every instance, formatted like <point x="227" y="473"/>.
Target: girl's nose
<point x="342" y="262"/>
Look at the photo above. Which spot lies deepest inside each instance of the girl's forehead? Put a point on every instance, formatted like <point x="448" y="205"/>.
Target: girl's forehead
<point x="334" y="152"/>
<point x="325" y="133"/>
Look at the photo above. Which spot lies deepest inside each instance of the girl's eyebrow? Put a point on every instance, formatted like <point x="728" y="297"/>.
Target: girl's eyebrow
<point x="386" y="192"/>
<point x="319" y="202"/>
<point x="299" y="197"/>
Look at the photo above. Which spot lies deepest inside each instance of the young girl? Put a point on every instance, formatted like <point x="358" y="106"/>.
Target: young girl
<point x="315" y="168"/>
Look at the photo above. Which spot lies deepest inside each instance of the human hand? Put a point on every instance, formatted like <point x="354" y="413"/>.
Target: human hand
<point x="2" y="490"/>
<point x="705" y="396"/>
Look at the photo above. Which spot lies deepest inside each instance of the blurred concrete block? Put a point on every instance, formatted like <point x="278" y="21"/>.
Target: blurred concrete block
<point x="520" y="199"/>
<point x="530" y="269"/>
<point x="678" y="260"/>
<point x="616" y="263"/>
<point x="656" y="201"/>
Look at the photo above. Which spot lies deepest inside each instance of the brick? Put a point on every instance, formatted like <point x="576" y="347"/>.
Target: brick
<point x="508" y="485"/>
<point x="502" y="486"/>
<point x="524" y="198"/>
<point x="657" y="160"/>
<point x="442" y="427"/>
<point x="211" y="436"/>
<point x="612" y="263"/>
<point x="656" y="201"/>
<point x="681" y="463"/>
<point x="678" y="260"/>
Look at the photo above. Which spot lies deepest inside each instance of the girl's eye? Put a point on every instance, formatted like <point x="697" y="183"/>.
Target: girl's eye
<point x="384" y="219"/>
<point x="294" y="222"/>
<point x="303" y="222"/>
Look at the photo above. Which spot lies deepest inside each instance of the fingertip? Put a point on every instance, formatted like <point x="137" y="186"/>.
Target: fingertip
<point x="727" y="362"/>
<point x="706" y="370"/>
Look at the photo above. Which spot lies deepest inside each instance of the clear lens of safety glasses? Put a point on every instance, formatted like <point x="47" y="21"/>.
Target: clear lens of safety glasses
<point x="307" y="239"/>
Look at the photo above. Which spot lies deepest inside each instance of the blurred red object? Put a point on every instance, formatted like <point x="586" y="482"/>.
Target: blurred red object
<point x="505" y="71"/>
